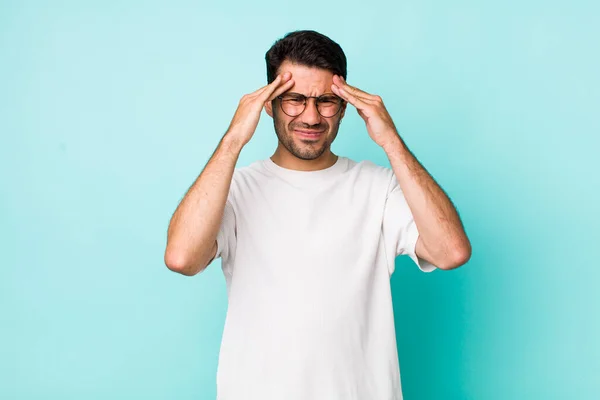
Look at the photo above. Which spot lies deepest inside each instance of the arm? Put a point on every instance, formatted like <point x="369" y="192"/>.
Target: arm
<point x="192" y="233"/>
<point x="442" y="240"/>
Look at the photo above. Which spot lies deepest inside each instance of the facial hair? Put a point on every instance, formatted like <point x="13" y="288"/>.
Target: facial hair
<point x="309" y="150"/>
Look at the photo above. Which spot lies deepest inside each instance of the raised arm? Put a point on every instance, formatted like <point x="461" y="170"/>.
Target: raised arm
<point x="193" y="229"/>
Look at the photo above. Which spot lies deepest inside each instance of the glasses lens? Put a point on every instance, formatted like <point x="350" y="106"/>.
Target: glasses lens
<point x="292" y="105"/>
<point x="328" y="106"/>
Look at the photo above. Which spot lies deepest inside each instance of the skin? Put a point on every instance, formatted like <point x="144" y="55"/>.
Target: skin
<point x="192" y="232"/>
<point x="442" y="240"/>
<point x="293" y="151"/>
<point x="191" y="242"/>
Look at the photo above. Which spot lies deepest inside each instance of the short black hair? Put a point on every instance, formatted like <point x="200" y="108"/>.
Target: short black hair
<point x="308" y="48"/>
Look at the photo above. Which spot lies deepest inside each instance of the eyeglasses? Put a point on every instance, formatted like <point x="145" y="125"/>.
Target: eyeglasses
<point x="294" y="104"/>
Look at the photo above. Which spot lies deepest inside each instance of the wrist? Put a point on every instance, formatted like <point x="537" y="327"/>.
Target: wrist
<point x="232" y="142"/>
<point x="394" y="146"/>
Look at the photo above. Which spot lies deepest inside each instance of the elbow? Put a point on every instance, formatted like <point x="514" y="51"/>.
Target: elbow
<point x="460" y="256"/>
<point x="180" y="264"/>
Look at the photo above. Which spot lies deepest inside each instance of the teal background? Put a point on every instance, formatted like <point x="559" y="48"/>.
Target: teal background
<point x="109" y="111"/>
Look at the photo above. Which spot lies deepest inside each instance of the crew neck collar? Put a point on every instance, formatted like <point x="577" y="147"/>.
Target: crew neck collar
<point x="337" y="167"/>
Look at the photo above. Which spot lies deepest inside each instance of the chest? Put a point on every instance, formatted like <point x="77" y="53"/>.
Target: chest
<point x="310" y="226"/>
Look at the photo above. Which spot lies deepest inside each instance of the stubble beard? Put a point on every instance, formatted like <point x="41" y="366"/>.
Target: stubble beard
<point x="308" y="151"/>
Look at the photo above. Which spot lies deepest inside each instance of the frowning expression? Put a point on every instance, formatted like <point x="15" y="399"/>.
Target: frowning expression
<point x="309" y="134"/>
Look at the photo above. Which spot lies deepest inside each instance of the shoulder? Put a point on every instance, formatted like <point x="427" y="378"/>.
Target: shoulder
<point x="255" y="168"/>
<point x="370" y="170"/>
<point x="247" y="177"/>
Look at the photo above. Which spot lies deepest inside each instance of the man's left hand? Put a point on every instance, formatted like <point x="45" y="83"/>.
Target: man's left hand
<point x="370" y="107"/>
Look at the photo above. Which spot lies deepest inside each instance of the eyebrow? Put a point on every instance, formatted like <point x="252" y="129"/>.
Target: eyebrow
<point x="300" y="94"/>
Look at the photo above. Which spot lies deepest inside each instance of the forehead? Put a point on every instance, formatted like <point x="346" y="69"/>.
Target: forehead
<point x="309" y="81"/>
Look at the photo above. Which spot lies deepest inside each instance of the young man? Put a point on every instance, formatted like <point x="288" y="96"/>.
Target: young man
<point x="308" y="238"/>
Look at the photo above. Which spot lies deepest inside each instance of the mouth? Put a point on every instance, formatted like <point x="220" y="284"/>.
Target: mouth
<point x="307" y="134"/>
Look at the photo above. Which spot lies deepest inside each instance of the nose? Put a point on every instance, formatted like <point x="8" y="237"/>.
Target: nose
<point x="310" y="115"/>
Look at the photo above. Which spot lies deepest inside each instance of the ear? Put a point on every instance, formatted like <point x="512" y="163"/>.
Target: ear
<point x="269" y="108"/>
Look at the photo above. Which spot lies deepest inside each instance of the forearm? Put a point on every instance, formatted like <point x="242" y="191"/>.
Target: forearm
<point x="194" y="225"/>
<point x="437" y="220"/>
<point x="441" y="235"/>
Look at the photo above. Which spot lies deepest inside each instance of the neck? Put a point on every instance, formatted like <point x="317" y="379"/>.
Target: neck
<point x="285" y="159"/>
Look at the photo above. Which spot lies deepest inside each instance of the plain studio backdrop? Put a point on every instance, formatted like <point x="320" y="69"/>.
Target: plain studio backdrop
<point x="109" y="111"/>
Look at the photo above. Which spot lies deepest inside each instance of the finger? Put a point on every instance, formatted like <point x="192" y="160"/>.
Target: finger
<point x="272" y="87"/>
<point x="281" y="89"/>
<point x="360" y="104"/>
<point x="340" y="82"/>
<point x="261" y="90"/>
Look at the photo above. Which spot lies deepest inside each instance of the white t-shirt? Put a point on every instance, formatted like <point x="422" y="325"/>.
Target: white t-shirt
<point x="307" y="258"/>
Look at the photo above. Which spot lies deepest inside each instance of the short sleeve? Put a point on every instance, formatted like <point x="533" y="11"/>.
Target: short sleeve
<point x="226" y="237"/>
<point x="399" y="229"/>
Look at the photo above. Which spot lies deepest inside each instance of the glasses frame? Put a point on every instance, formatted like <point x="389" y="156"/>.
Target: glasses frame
<point x="280" y="97"/>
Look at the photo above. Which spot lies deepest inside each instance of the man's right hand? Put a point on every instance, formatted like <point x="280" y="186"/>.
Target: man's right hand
<point x="246" y="116"/>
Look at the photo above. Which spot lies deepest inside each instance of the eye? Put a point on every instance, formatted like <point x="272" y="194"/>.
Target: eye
<point x="293" y="100"/>
<point x="328" y="100"/>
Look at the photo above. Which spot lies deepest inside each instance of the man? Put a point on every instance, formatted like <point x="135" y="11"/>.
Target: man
<point x="308" y="238"/>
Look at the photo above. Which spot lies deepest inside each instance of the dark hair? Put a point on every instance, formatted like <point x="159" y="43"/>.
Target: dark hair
<point x="308" y="48"/>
